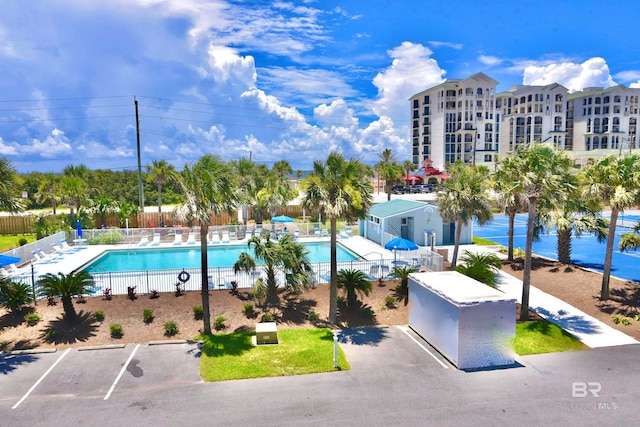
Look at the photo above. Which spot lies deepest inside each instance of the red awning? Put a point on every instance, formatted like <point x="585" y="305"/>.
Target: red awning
<point x="412" y="178"/>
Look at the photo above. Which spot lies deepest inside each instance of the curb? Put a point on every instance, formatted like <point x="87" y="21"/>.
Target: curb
<point x="31" y="351"/>
<point x="174" y="342"/>
<point x="101" y="347"/>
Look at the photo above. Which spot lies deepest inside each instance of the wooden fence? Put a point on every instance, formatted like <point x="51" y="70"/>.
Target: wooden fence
<point x="24" y="224"/>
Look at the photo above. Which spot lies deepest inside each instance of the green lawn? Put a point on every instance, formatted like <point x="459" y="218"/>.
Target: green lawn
<point x="300" y="351"/>
<point x="540" y="336"/>
<point x="9" y="241"/>
<point x="483" y="242"/>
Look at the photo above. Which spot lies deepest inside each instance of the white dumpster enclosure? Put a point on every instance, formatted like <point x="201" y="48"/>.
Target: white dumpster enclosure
<point x="470" y="323"/>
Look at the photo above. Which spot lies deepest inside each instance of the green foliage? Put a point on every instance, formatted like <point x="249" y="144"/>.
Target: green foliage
<point x="537" y="337"/>
<point x="353" y="282"/>
<point x="637" y="317"/>
<point x="218" y="322"/>
<point x="313" y="316"/>
<point x="106" y="238"/>
<point x="147" y="315"/>
<point x="481" y="241"/>
<point x="268" y="317"/>
<point x="14" y="295"/>
<point x="621" y="320"/>
<point x="480" y="266"/>
<point x="171" y="328"/>
<point x="301" y="351"/>
<point x="45" y="225"/>
<point x="49" y="334"/>
<point x="402" y="273"/>
<point x="67" y="286"/>
<point x="32" y="319"/>
<point x="116" y="331"/>
<point x="389" y="301"/>
<point x="341" y="302"/>
<point x="198" y="312"/>
<point x="98" y="315"/>
<point x="248" y="311"/>
<point x="8" y="242"/>
<point x="22" y="241"/>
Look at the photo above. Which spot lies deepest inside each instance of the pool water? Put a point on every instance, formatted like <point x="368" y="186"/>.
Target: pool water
<point x="139" y="259"/>
<point x="585" y="250"/>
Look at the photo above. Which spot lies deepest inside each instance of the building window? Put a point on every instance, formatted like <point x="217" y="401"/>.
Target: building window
<point x="479" y="91"/>
<point x="488" y="158"/>
<point x="426" y="99"/>
<point x="605" y="100"/>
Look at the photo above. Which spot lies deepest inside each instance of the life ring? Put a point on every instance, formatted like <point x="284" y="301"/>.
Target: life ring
<point x="184" y="276"/>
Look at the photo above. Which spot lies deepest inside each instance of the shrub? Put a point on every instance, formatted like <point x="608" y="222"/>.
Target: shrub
<point x="147" y="315"/>
<point x="198" y="312"/>
<point x="248" y="311"/>
<point x="49" y="334"/>
<point x="389" y="301"/>
<point x="98" y="315"/>
<point x="268" y="317"/>
<point x="32" y="319"/>
<point x="170" y="328"/>
<point x="218" y="322"/>
<point x="341" y="301"/>
<point x="14" y="295"/>
<point x="313" y="316"/>
<point x="637" y="317"/>
<point x="116" y="330"/>
<point x="22" y="241"/>
<point x="154" y="294"/>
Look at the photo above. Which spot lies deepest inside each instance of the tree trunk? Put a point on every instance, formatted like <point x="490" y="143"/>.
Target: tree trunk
<point x="160" y="220"/>
<point x="272" y="288"/>
<point x="608" y="255"/>
<point x="69" y="310"/>
<point x="526" y="273"/>
<point x="564" y="246"/>
<point x="333" y="286"/>
<point x="454" y="258"/>
<point x="512" y="219"/>
<point x="204" y="279"/>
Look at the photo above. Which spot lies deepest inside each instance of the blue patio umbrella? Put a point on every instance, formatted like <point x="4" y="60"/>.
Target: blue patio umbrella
<point x="281" y="218"/>
<point x="8" y="260"/>
<point x="79" y="228"/>
<point x="400" y="244"/>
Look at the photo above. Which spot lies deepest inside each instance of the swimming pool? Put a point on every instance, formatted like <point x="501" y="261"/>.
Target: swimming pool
<point x="139" y="259"/>
<point x="585" y="250"/>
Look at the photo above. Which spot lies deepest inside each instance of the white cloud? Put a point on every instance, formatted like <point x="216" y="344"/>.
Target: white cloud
<point x="227" y="66"/>
<point x="411" y="71"/>
<point x="490" y="60"/>
<point x="437" y="44"/>
<point x="593" y="72"/>
<point x="54" y="146"/>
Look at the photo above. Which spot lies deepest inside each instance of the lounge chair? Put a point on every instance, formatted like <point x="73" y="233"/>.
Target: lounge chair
<point x="215" y="238"/>
<point x="66" y="246"/>
<point x="144" y="241"/>
<point x="316" y="232"/>
<point x="191" y="240"/>
<point x="343" y="235"/>
<point x="41" y="257"/>
<point x="296" y="233"/>
<point x="156" y="239"/>
<point x="177" y="239"/>
<point x="13" y="270"/>
<point x="225" y="237"/>
<point x="60" y="250"/>
<point x="248" y="234"/>
<point x="349" y="231"/>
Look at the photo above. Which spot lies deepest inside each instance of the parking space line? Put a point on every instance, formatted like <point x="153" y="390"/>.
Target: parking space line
<point x="40" y="379"/>
<point x="124" y="367"/>
<point x="424" y="348"/>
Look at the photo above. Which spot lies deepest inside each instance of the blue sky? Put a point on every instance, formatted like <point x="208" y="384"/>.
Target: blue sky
<point x="289" y="80"/>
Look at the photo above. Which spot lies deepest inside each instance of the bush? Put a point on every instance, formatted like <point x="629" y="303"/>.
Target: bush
<point x="147" y="315"/>
<point x="49" y="334"/>
<point x="106" y="238"/>
<point x="198" y="312"/>
<point x="22" y="241"/>
<point x="116" y="330"/>
<point x="170" y="328"/>
<point x="32" y="319"/>
<point x="248" y="311"/>
<point x="98" y="315"/>
<point x="13" y="295"/>
<point x="389" y="301"/>
<point x="341" y="301"/>
<point x="268" y="317"/>
<point x="218" y="322"/>
<point x="313" y="316"/>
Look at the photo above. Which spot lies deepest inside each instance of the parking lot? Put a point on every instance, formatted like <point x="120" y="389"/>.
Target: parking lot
<point x="395" y="379"/>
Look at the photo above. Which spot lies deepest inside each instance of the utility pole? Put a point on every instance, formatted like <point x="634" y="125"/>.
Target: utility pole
<point x="140" y="187"/>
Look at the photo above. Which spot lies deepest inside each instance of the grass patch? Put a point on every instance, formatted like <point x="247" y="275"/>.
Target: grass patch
<point x="10" y="241"/>
<point x="536" y="337"/>
<point x="481" y="241"/>
<point x="300" y="351"/>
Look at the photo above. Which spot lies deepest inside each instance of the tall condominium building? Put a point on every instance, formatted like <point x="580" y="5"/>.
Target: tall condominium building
<point x="455" y="120"/>
<point x="467" y="120"/>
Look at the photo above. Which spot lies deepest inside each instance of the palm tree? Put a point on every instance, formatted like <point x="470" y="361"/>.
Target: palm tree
<point x="126" y="210"/>
<point x="408" y="166"/>
<point x="275" y="194"/>
<point x="10" y="199"/>
<point x="388" y="169"/>
<point x="544" y="176"/>
<point x="616" y="182"/>
<point x="159" y="172"/>
<point x="630" y="241"/>
<point x="284" y="255"/>
<point x="103" y="206"/>
<point x="209" y="188"/>
<point x="14" y="295"/>
<point x="510" y="195"/>
<point x="66" y="286"/>
<point x="49" y="191"/>
<point x="463" y="197"/>
<point x="480" y="266"/>
<point x="402" y="273"/>
<point x="339" y="188"/>
<point x="354" y="282"/>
